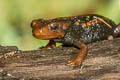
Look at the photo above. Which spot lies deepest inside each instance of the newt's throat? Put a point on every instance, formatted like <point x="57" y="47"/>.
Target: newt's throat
<point x="47" y="36"/>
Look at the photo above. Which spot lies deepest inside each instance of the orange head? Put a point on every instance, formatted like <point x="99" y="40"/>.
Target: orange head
<point x="48" y="29"/>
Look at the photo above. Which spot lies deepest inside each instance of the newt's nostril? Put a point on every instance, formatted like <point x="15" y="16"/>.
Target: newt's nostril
<point x="33" y="23"/>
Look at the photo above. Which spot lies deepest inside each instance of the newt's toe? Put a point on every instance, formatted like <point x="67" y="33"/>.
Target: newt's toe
<point x="74" y="62"/>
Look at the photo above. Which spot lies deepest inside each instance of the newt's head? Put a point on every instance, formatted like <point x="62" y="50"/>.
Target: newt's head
<point x="46" y="29"/>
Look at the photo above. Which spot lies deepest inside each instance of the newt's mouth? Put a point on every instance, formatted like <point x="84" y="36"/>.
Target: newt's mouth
<point x="47" y="37"/>
<point x="45" y="34"/>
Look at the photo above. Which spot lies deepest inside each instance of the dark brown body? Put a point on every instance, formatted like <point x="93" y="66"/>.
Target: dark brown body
<point x="77" y="31"/>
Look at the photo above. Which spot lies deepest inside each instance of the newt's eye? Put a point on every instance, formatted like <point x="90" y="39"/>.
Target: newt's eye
<point x="53" y="26"/>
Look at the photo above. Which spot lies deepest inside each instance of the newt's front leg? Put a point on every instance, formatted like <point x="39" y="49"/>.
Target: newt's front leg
<point x="50" y="45"/>
<point x="81" y="54"/>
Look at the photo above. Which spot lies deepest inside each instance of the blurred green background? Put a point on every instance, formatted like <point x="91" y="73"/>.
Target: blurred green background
<point x="16" y="16"/>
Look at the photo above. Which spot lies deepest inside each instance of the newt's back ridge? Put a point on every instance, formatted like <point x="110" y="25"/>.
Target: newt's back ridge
<point x="90" y="28"/>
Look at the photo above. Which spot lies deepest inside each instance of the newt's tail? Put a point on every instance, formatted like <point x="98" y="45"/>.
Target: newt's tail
<point x="117" y="31"/>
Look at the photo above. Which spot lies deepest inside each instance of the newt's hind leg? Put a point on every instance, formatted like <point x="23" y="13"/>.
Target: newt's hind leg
<point x="110" y="37"/>
<point x="117" y="31"/>
<point x="81" y="54"/>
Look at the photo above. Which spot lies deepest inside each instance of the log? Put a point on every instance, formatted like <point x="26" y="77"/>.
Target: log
<point x="101" y="63"/>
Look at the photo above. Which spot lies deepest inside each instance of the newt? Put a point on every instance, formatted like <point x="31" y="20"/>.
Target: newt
<point x="75" y="31"/>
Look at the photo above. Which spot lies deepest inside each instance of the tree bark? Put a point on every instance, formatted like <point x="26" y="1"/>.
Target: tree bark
<point x="101" y="63"/>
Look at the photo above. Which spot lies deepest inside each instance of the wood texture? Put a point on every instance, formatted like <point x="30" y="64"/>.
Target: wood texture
<point x="102" y="63"/>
